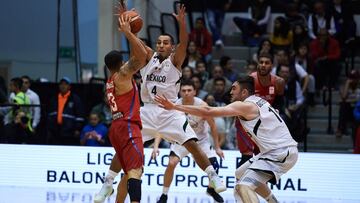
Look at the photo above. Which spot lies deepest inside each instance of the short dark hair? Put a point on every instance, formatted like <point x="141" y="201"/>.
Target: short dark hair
<point x="113" y="59"/>
<point x="200" y="18"/>
<point x="187" y="83"/>
<point x="247" y="82"/>
<point x="224" y="60"/>
<point x="17" y="82"/>
<point x="220" y="79"/>
<point x="170" y="36"/>
<point x="266" y="55"/>
<point x="27" y="78"/>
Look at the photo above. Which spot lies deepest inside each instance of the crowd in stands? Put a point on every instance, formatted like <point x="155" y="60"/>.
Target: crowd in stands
<point x="308" y="42"/>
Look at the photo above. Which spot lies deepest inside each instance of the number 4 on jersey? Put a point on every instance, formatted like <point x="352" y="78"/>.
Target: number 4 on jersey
<point x="153" y="90"/>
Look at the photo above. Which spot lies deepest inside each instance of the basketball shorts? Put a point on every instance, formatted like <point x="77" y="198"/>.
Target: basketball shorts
<point x="267" y="167"/>
<point x="126" y="138"/>
<point x="204" y="144"/>
<point x="172" y="125"/>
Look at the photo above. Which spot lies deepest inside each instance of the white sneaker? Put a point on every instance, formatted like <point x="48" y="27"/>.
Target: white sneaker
<point x="105" y="192"/>
<point x="217" y="184"/>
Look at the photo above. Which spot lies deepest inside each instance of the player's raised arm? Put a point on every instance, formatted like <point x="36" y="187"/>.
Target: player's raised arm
<point x="246" y="110"/>
<point x="180" y="51"/>
<point x="137" y="50"/>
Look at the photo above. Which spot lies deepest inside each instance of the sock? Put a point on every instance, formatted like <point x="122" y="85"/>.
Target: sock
<point x="271" y="198"/>
<point x="210" y="171"/>
<point x="109" y="178"/>
<point x="165" y="190"/>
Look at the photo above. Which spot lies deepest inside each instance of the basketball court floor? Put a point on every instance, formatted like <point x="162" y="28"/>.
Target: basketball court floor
<point x="58" y="195"/>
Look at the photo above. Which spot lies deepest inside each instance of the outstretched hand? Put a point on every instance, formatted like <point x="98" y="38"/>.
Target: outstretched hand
<point x="163" y="102"/>
<point x="180" y="17"/>
<point x="124" y="23"/>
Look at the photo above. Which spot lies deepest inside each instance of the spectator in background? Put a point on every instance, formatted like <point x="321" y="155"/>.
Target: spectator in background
<point x="192" y="56"/>
<point x="94" y="133"/>
<point x="19" y="98"/>
<point x="302" y="58"/>
<point x="265" y="46"/>
<point x="17" y="131"/>
<point x="65" y="118"/>
<point x="293" y="16"/>
<point x="103" y="111"/>
<point x="3" y="90"/>
<point x="294" y="101"/>
<point x="320" y="19"/>
<point x="300" y="36"/>
<point x="255" y="25"/>
<point x="303" y="7"/>
<point x="325" y="55"/>
<point x="187" y="73"/>
<point x="282" y="35"/>
<point x="34" y="100"/>
<point x="215" y="11"/>
<point x="344" y="21"/>
<point x="201" y="70"/>
<point x="228" y="68"/>
<point x="251" y="67"/>
<point x="216" y="73"/>
<point x="196" y="79"/>
<point x="219" y="121"/>
<point x="202" y="38"/>
<point x="350" y="94"/>
<point x="296" y="70"/>
<point x="219" y="91"/>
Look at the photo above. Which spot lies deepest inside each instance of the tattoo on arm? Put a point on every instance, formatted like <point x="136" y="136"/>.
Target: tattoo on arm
<point x="132" y="66"/>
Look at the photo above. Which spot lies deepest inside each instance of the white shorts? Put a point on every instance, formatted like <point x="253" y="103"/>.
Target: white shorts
<point x="204" y="144"/>
<point x="170" y="125"/>
<point x="269" y="166"/>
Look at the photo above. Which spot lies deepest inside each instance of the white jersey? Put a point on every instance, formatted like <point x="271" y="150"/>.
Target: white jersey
<point x="159" y="79"/>
<point x="268" y="130"/>
<point x="198" y="124"/>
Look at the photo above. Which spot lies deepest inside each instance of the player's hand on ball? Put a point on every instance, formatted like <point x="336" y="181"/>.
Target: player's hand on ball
<point x="163" y="102"/>
<point x="124" y="24"/>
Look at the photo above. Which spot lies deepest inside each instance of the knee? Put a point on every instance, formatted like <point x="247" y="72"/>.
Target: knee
<point x="173" y="161"/>
<point x="135" y="173"/>
<point x="243" y="189"/>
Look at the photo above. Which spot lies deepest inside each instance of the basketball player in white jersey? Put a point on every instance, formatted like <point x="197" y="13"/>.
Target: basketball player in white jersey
<point x="161" y="76"/>
<point x="201" y="127"/>
<point x="278" y="150"/>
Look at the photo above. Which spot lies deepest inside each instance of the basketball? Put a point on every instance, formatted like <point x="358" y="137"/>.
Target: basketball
<point x="136" y="21"/>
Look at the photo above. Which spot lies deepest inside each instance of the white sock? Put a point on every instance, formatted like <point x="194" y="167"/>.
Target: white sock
<point x="210" y="171"/>
<point x="109" y="178"/>
<point x="165" y="190"/>
<point x="271" y="198"/>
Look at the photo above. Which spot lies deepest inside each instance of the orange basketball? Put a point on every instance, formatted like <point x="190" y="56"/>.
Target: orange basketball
<point x="136" y="21"/>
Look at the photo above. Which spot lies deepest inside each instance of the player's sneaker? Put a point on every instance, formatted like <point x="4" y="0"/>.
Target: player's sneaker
<point x="214" y="195"/>
<point x="105" y="192"/>
<point x="217" y="184"/>
<point x="163" y="199"/>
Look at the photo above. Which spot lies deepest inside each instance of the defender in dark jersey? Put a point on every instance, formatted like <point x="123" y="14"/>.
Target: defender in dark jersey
<point x="122" y="93"/>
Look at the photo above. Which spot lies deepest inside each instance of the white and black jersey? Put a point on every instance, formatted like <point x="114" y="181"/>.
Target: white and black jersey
<point x="159" y="79"/>
<point x="268" y="130"/>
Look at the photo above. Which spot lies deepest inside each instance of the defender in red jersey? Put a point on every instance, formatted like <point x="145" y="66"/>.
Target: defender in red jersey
<point x="123" y="99"/>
